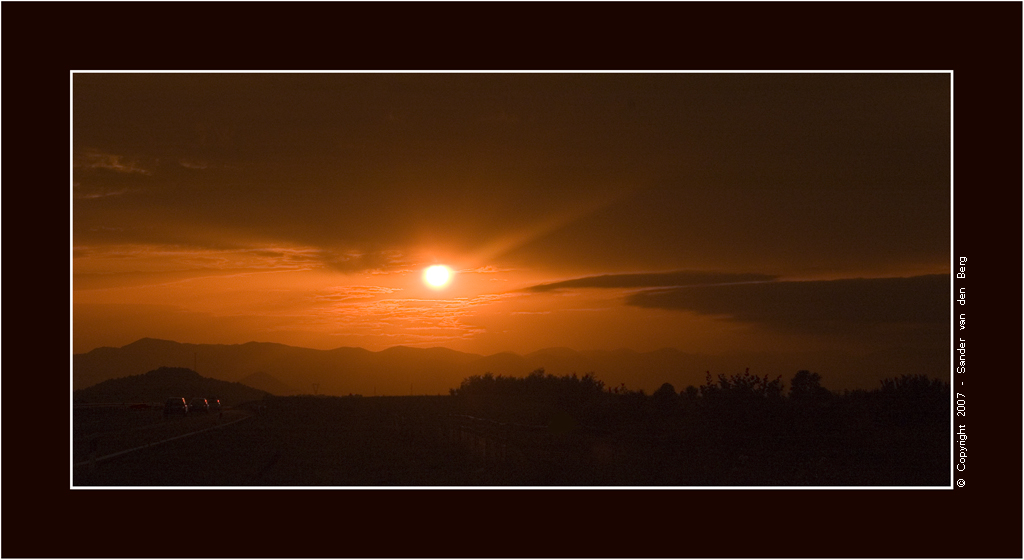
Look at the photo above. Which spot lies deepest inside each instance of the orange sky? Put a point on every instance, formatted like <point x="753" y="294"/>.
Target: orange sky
<point x="704" y="212"/>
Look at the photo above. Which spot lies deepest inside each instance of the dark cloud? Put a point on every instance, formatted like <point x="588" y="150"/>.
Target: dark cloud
<point x="653" y="279"/>
<point x="814" y="306"/>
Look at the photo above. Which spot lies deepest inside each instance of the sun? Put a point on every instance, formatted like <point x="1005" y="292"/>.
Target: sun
<point x="437" y="276"/>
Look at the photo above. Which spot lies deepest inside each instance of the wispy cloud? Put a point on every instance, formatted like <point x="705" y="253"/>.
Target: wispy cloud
<point x="188" y="164"/>
<point x="488" y="270"/>
<point x="81" y="194"/>
<point x="353" y="293"/>
<point x="92" y="159"/>
<point x="377" y="262"/>
<point x="654" y="279"/>
<point x="408" y="320"/>
<point x="234" y="257"/>
<point x="101" y="266"/>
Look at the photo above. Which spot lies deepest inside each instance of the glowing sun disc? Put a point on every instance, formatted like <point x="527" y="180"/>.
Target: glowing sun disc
<point x="437" y="275"/>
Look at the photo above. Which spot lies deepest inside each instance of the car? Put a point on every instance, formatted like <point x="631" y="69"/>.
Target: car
<point x="214" y="403"/>
<point x="198" y="404"/>
<point x="175" y="405"/>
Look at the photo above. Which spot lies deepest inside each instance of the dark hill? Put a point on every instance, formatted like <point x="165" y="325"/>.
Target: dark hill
<point x="164" y="383"/>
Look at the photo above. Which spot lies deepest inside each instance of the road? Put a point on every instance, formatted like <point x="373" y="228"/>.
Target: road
<point x="105" y="440"/>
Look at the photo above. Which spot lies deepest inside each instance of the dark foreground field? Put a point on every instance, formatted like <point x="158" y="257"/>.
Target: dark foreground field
<point x="288" y="441"/>
<point x="431" y="441"/>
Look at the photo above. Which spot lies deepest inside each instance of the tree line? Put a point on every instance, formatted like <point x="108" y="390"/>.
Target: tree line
<point x="903" y="399"/>
<point x="737" y="429"/>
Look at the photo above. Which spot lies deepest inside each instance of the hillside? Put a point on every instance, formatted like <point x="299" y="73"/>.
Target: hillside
<point x="164" y="383"/>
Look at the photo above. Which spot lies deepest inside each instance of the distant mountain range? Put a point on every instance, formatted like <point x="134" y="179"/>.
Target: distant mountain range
<point x="164" y="383"/>
<point x="284" y="370"/>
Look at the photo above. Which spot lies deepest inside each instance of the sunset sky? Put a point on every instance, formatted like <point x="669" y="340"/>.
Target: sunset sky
<point x="708" y="212"/>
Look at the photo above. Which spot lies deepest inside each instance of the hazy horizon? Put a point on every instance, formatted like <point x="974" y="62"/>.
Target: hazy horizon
<point x="441" y="347"/>
<point x="387" y="372"/>
<point x="367" y="349"/>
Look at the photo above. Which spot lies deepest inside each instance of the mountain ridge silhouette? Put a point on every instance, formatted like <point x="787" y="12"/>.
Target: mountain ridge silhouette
<point x="404" y="370"/>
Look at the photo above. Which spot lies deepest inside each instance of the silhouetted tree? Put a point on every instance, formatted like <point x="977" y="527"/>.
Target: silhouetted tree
<point x="666" y="393"/>
<point x="740" y="410"/>
<point x="665" y="398"/>
<point x="741" y="388"/>
<point x="532" y="398"/>
<point x="691" y="393"/>
<point x="913" y="399"/>
<point x="805" y="388"/>
<point x="913" y="387"/>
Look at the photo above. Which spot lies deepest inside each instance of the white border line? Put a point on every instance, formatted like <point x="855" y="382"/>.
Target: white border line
<point x="952" y="297"/>
<point x="951" y="289"/>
